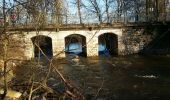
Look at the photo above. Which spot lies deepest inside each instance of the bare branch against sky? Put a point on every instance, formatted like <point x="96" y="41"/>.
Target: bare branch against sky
<point x="88" y="11"/>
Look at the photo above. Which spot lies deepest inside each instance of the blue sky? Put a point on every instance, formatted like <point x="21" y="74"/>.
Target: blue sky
<point x="7" y="1"/>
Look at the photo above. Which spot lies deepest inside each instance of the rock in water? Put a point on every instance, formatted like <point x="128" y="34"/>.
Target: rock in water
<point x="76" y="60"/>
<point x="11" y="94"/>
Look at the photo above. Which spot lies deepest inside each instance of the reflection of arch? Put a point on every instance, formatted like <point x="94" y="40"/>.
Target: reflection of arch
<point x="45" y="43"/>
<point x="108" y="44"/>
<point x="76" y="44"/>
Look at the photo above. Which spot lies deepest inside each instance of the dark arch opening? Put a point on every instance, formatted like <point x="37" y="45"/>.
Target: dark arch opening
<point x="75" y="44"/>
<point x="108" y="44"/>
<point x="45" y="43"/>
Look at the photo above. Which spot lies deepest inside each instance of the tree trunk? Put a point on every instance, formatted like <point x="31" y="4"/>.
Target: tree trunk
<point x="79" y="12"/>
<point x="147" y="10"/>
<point x="5" y="51"/>
<point x="156" y="10"/>
<point x="107" y="11"/>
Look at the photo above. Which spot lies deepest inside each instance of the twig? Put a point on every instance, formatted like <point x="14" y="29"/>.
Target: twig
<point x="31" y="89"/>
<point x="99" y="90"/>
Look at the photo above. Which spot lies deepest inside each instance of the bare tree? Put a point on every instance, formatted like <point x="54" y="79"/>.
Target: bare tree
<point x="94" y="7"/>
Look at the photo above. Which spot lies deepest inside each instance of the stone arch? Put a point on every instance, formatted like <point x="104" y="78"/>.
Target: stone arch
<point x="76" y="44"/>
<point x="108" y="44"/>
<point x="45" y="43"/>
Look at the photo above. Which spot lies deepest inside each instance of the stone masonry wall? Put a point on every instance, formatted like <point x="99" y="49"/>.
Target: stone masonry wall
<point x="130" y="41"/>
<point x="15" y="46"/>
<point x="58" y="40"/>
<point x="135" y="40"/>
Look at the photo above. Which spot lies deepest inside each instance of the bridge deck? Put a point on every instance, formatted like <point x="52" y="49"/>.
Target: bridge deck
<point x="53" y="27"/>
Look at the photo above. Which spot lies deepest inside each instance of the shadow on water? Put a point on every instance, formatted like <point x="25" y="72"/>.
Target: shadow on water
<point x="124" y="78"/>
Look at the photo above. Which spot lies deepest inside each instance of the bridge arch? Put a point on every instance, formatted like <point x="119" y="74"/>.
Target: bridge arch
<point x="108" y="44"/>
<point x="44" y="43"/>
<point x="75" y="44"/>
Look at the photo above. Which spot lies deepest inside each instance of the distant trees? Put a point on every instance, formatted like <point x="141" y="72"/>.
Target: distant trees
<point x="30" y="11"/>
<point x="108" y="11"/>
<point x="88" y="11"/>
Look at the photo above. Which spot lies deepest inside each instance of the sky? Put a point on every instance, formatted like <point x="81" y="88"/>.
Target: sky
<point x="7" y="1"/>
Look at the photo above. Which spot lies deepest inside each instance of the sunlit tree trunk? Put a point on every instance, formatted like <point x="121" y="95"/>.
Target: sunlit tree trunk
<point x="119" y="9"/>
<point x="79" y="11"/>
<point x="5" y="50"/>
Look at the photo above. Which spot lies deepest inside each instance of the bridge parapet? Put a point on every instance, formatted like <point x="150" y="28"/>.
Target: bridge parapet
<point x="65" y="27"/>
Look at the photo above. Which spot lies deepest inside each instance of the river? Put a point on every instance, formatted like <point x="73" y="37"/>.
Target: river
<point x="120" y="78"/>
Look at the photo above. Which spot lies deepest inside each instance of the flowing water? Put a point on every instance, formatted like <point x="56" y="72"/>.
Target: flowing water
<point x="120" y="78"/>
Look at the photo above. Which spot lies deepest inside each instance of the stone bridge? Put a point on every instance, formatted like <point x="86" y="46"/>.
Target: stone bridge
<point x="57" y="41"/>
